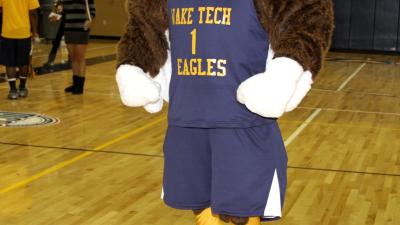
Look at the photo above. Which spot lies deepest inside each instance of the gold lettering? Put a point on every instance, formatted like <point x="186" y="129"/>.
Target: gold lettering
<point x="210" y="67"/>
<point x="185" y="67"/>
<point x="209" y="14"/>
<point x="222" y="68"/>
<point x="226" y="16"/>
<point x="216" y="20"/>
<point x="201" y="67"/>
<point x="173" y="16"/>
<point x="178" y="17"/>
<point x="183" y="16"/>
<point x="179" y="63"/>
<point x="201" y="11"/>
<point x="189" y="18"/>
<point x="193" y="67"/>
<point x="200" y="71"/>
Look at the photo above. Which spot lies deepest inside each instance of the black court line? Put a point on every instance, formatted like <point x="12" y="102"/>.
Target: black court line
<point x="344" y="171"/>
<point x="80" y="149"/>
<point x="66" y="66"/>
<point x="161" y="156"/>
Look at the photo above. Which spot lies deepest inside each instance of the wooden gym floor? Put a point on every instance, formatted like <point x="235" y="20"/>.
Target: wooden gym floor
<point x="102" y="164"/>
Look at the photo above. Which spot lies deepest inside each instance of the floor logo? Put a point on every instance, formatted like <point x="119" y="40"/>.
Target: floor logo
<point x="13" y="119"/>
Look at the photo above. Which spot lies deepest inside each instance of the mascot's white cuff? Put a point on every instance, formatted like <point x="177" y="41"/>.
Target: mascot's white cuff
<point x="303" y="86"/>
<point x="267" y="94"/>
<point x="139" y="89"/>
<point x="136" y="87"/>
<point x="164" y="78"/>
<point x="162" y="81"/>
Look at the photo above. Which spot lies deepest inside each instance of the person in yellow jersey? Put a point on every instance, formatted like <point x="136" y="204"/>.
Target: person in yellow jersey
<point x="19" y="28"/>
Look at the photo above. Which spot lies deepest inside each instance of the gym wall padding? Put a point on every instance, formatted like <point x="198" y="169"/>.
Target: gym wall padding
<point x="398" y="34"/>
<point x="341" y="35"/>
<point x="386" y="25"/>
<point x="370" y="25"/>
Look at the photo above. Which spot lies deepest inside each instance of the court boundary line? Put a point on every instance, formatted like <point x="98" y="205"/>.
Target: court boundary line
<point x="351" y="110"/>
<point x="342" y="125"/>
<point x="161" y="156"/>
<point x="61" y="53"/>
<point x="357" y="92"/>
<point x="347" y="81"/>
<point x="289" y="167"/>
<point x="303" y="126"/>
<point x="344" y="171"/>
<point x="77" y="149"/>
<point x="62" y="91"/>
<point x="68" y="162"/>
<point x="313" y="89"/>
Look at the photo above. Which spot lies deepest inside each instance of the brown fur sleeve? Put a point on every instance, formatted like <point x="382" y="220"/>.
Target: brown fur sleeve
<point x="298" y="29"/>
<point x="144" y="43"/>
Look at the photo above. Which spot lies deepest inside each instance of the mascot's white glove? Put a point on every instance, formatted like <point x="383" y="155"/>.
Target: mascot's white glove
<point x="279" y="89"/>
<point x="302" y="88"/>
<point x="136" y="87"/>
<point x="163" y="79"/>
<point x="139" y="89"/>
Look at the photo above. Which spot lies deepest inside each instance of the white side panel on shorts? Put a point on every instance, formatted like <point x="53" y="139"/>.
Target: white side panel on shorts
<point x="162" y="193"/>
<point x="273" y="208"/>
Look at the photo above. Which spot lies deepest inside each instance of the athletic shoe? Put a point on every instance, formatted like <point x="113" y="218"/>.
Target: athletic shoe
<point x="23" y="92"/>
<point x="13" y="94"/>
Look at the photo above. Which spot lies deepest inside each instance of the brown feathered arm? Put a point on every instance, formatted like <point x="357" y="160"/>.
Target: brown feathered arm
<point x="144" y="43"/>
<point x="298" y="29"/>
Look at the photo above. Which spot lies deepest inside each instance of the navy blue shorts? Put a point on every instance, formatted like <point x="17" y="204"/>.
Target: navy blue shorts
<point x="237" y="172"/>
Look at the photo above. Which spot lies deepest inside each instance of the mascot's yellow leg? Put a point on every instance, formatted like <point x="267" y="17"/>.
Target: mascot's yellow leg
<point x="207" y="218"/>
<point x="254" y="221"/>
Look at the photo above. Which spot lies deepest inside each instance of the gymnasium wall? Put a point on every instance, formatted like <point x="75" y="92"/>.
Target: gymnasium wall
<point x="110" y="18"/>
<point x="371" y="25"/>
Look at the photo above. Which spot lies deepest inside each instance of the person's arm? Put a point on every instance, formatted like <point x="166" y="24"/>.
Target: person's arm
<point x="92" y="9"/>
<point x="1" y="18"/>
<point x="90" y="13"/>
<point x="56" y="12"/>
<point x="299" y="30"/>
<point x="143" y="55"/>
<point x="144" y="43"/>
<point x="33" y="17"/>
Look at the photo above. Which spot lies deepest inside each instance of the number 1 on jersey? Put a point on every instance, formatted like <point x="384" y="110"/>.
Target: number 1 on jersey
<point x="194" y="41"/>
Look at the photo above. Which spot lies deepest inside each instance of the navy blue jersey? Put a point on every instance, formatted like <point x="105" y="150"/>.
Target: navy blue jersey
<point x="215" y="45"/>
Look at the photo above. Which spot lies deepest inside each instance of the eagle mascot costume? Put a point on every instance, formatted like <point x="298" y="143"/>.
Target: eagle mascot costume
<point x="228" y="70"/>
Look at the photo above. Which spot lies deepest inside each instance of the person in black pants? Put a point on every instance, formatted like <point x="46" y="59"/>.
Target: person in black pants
<point x="56" y="43"/>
